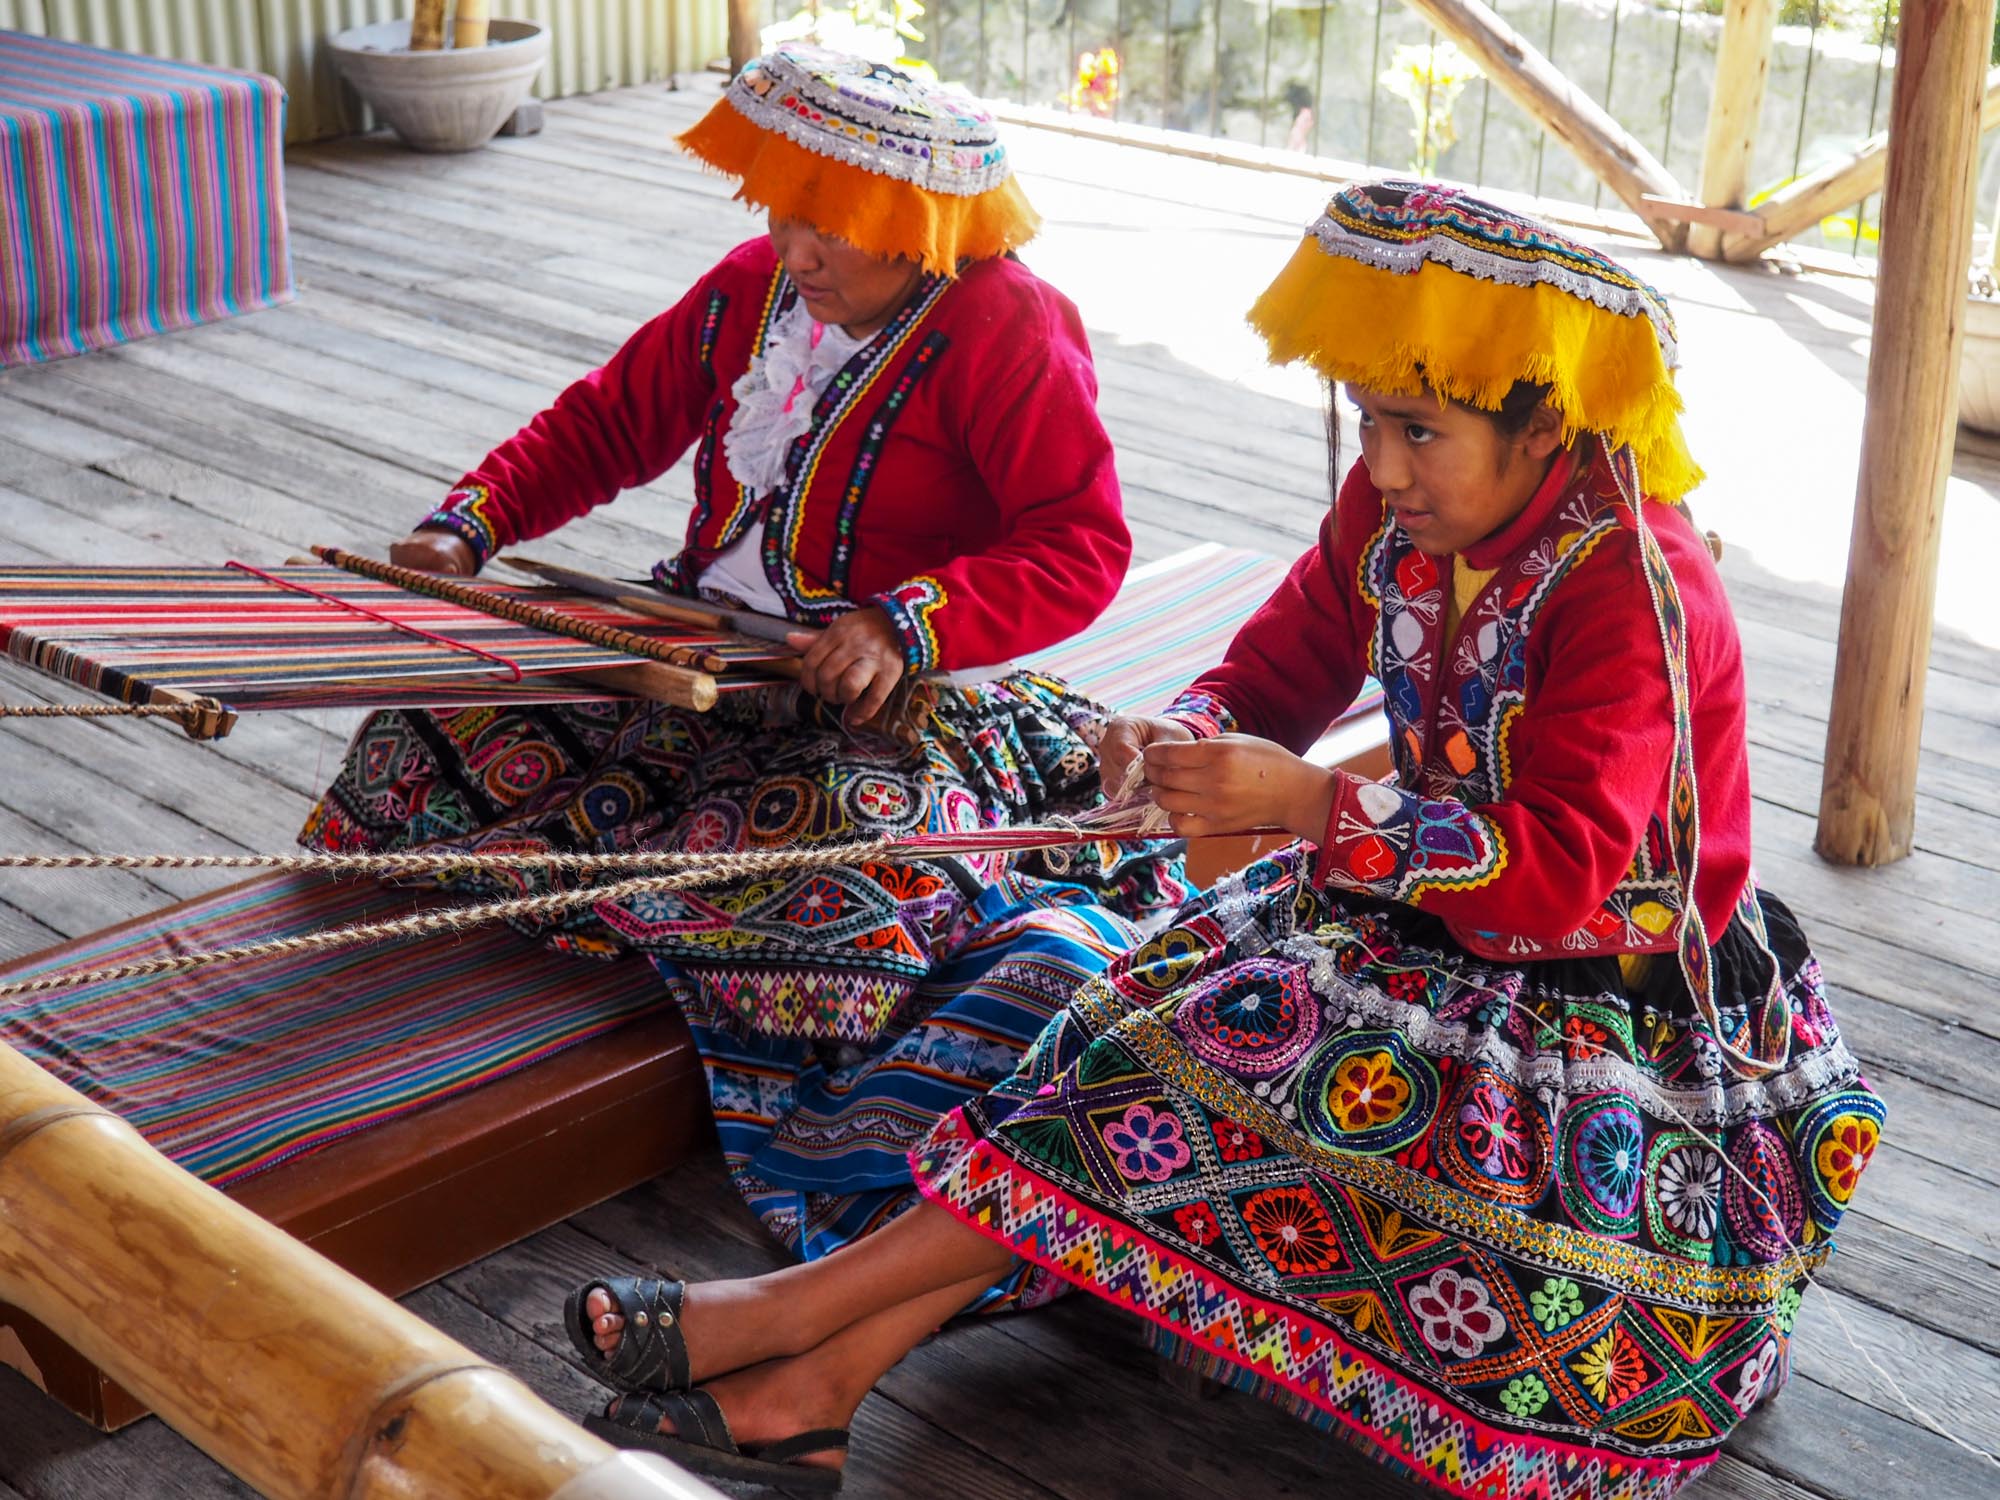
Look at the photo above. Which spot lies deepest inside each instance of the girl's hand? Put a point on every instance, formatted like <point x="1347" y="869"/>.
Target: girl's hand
<point x="856" y="660"/>
<point x="1234" y="782"/>
<point x="434" y="552"/>
<point x="1125" y="739"/>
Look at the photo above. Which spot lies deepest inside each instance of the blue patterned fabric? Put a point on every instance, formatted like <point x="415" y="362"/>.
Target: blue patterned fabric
<point x="817" y="1137"/>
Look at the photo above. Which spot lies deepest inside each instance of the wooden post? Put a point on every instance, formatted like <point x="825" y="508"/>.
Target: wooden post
<point x="427" y="26"/>
<point x="1618" y="160"/>
<point x="1867" y="809"/>
<point x="468" y="24"/>
<point x="1834" y="188"/>
<point x="285" y="1369"/>
<point x="1742" y="64"/>
<point x="743" y="41"/>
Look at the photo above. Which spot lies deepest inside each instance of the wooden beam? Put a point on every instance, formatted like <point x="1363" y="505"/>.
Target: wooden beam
<point x="1701" y="216"/>
<point x="1834" y="188"/>
<point x="1742" y="65"/>
<point x="743" y="39"/>
<point x="427" y="26"/>
<point x="1867" y="810"/>
<point x="1562" y="109"/>
<point x="285" y="1369"/>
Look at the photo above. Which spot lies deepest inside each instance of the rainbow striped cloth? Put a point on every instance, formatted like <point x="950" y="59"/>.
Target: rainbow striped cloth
<point x="137" y="195"/>
<point x="234" y="1068"/>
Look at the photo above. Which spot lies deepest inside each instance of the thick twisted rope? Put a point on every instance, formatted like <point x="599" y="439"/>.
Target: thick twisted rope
<point x="182" y="711"/>
<point x="708" y="870"/>
<point x="746" y="863"/>
<point x="675" y="870"/>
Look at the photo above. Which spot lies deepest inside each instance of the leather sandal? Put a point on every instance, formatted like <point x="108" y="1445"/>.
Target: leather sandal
<point x="652" y="1352"/>
<point x="702" y="1442"/>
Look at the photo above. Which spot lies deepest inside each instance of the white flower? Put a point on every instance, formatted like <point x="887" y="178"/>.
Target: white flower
<point x="1690" y="1190"/>
<point x="1757" y="1376"/>
<point x="1456" y="1315"/>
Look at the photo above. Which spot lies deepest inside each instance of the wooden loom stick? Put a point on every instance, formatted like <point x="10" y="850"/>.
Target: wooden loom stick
<point x="657" y="602"/>
<point x="287" y="1370"/>
<point x="679" y="682"/>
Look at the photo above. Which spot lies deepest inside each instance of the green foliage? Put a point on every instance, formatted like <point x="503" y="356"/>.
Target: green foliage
<point x="1429" y="77"/>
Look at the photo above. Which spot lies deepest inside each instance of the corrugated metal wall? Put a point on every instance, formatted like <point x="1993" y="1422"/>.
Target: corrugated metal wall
<point x="594" y="44"/>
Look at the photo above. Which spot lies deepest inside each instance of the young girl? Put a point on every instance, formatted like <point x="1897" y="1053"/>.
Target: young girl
<point x="1497" y="1123"/>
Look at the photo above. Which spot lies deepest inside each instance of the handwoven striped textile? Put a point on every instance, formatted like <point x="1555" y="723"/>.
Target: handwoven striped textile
<point x="234" y="1068"/>
<point x="137" y="195"/>
<point x="1172" y="620"/>
<point x="256" y="645"/>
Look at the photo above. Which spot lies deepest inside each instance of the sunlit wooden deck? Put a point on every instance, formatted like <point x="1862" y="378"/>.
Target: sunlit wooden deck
<point x="444" y="299"/>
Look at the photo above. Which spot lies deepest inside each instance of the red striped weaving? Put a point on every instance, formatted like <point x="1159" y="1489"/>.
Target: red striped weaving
<point x="234" y="1068"/>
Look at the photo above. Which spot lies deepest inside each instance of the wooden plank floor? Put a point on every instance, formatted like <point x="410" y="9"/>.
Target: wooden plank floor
<point x="445" y="299"/>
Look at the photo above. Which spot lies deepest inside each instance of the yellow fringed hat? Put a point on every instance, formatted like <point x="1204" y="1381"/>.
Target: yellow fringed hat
<point x="866" y="153"/>
<point x="1404" y="287"/>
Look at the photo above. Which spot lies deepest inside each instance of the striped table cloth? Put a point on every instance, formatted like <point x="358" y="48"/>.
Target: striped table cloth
<point x="137" y="195"/>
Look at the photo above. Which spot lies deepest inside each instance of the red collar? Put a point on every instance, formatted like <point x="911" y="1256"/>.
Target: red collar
<point x="1510" y="538"/>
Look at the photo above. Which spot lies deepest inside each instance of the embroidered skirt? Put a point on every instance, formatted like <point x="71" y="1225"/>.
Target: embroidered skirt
<point x="1513" y="1231"/>
<point x="828" y="954"/>
<point x="817" y="1135"/>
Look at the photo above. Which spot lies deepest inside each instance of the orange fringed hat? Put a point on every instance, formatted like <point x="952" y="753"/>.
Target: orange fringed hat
<point x="866" y="153"/>
<point x="1408" y="286"/>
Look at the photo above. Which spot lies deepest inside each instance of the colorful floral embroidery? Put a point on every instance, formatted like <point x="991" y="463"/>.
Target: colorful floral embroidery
<point x="1689" y="1185"/>
<point x="1843" y="1153"/>
<point x="1149" y="1146"/>
<point x="1456" y="1315"/>
<point x="1555" y="1302"/>
<point x="1237" y="1142"/>
<point x="1367" y="1092"/>
<point x="1612" y="1368"/>
<point x="1197" y="1224"/>
<point x="1291" y="1227"/>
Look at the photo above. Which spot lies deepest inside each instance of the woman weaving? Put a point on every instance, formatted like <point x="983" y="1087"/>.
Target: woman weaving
<point x="895" y="442"/>
<point x="1498" y="1123"/>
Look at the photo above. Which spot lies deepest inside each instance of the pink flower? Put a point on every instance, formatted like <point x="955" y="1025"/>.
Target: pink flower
<point x="1149" y="1146"/>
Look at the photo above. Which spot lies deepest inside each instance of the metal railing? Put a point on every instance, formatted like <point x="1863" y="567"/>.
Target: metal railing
<point x="1370" y="81"/>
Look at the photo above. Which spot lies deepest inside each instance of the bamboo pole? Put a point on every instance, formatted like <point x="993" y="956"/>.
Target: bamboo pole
<point x="285" y="1369"/>
<point x="1834" y="188"/>
<point x="427" y="26"/>
<point x="469" y="23"/>
<point x="1619" y="161"/>
<point x="743" y="39"/>
<point x="1742" y="65"/>
<point x="1867" y="810"/>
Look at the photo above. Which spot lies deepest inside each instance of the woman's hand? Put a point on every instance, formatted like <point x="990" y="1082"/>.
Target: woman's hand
<point x="434" y="552"/>
<point x="1125" y="740"/>
<point x="857" y="660"/>
<point x="1234" y="782"/>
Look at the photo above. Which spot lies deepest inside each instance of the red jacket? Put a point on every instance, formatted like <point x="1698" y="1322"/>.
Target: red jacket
<point x="1532" y="749"/>
<point x="956" y="472"/>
